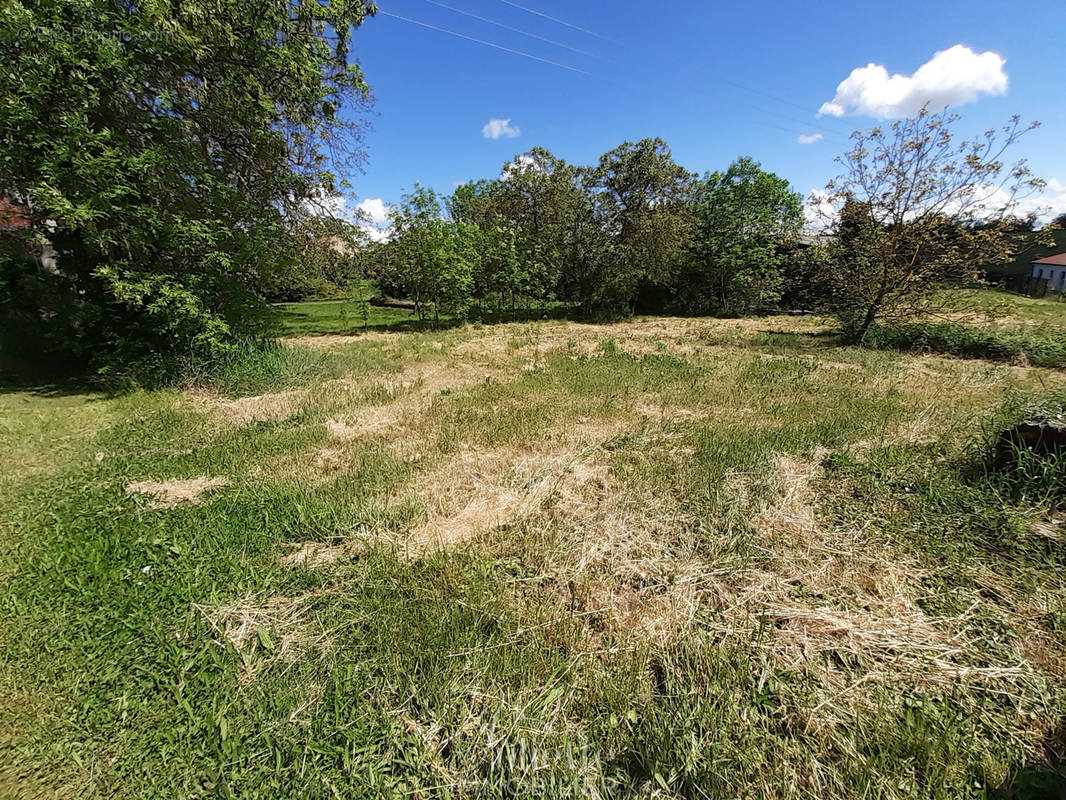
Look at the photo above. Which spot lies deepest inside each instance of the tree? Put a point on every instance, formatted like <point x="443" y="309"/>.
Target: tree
<point x="746" y="218"/>
<point x="433" y="258"/>
<point x="167" y="150"/>
<point x="543" y="204"/>
<point x="918" y="210"/>
<point x="641" y="199"/>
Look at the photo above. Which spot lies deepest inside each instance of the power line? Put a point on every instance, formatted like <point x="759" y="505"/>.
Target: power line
<point x="487" y="44"/>
<point x="557" y="20"/>
<point x="509" y="28"/>
<point x="807" y="124"/>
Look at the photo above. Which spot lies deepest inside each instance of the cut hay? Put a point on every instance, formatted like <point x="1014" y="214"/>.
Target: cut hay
<point x="176" y="492"/>
<point x="271" y="407"/>
<point x="313" y="554"/>
<point x="266" y="631"/>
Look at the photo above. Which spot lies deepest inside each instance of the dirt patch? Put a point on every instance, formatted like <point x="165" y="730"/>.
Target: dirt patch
<point x="176" y="492"/>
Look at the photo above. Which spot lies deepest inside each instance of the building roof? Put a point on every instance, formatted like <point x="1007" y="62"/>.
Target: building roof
<point x="1057" y="260"/>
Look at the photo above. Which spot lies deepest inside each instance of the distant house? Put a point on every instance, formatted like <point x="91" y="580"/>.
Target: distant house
<point x="1051" y="269"/>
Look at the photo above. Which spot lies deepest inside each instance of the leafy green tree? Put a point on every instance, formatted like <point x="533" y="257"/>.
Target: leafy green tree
<point x="918" y="210"/>
<point x="543" y="204"/>
<point x="167" y="149"/>
<point x="642" y="202"/>
<point x="433" y="258"/>
<point x="746" y="219"/>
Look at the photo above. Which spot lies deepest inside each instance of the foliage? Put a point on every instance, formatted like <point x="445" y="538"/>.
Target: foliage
<point x="542" y="204"/>
<point x="642" y="201"/>
<point x="747" y="219"/>
<point x="1044" y="348"/>
<point x="166" y="150"/>
<point x="917" y="209"/>
<point x="431" y="259"/>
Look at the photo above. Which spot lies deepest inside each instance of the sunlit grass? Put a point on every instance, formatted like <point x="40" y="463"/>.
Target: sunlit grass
<point x="675" y="558"/>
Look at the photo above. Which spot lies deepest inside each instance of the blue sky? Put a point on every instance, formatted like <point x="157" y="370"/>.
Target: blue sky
<point x="715" y="80"/>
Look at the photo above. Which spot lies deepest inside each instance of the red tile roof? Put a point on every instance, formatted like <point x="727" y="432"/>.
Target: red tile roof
<point x="1057" y="260"/>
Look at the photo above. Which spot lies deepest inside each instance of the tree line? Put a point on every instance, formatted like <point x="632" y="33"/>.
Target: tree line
<point x="636" y="231"/>
<point x="176" y="173"/>
<point x="915" y="209"/>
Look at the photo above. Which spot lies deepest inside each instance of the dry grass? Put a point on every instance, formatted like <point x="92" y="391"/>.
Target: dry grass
<point x="847" y="613"/>
<point x="266" y="631"/>
<point x="175" y="492"/>
<point x="273" y="406"/>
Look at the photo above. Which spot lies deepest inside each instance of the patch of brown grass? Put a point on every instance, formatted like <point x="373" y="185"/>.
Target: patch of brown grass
<point x="175" y="492"/>
<point x="266" y="630"/>
<point x="480" y="491"/>
<point x="313" y="554"/>
<point x="270" y="407"/>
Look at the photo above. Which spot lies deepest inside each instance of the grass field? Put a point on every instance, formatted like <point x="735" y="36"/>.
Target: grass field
<point x="339" y="316"/>
<point x="319" y="317"/>
<point x="656" y="558"/>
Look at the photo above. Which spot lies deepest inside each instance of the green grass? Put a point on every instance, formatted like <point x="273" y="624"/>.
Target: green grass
<point x="774" y="575"/>
<point x="1009" y="310"/>
<point x="314" y="317"/>
<point x="320" y="317"/>
<point x="1045" y="348"/>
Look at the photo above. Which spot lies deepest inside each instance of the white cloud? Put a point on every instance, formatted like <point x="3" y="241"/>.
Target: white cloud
<point x="819" y="211"/>
<point x="951" y="77"/>
<point x="324" y="204"/>
<point x="521" y="162"/>
<point x="809" y="138"/>
<point x="499" y="128"/>
<point x="372" y="216"/>
<point x="1045" y="206"/>
<point x="375" y="210"/>
<point x="821" y="208"/>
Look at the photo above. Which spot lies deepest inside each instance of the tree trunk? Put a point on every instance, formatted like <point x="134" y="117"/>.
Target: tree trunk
<point x="867" y="321"/>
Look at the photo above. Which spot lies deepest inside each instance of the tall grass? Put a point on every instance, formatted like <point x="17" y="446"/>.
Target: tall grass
<point x="1021" y="474"/>
<point x="1038" y="347"/>
<point x="253" y="367"/>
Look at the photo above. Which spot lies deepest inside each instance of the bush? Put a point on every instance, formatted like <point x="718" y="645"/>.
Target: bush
<point x="1038" y="348"/>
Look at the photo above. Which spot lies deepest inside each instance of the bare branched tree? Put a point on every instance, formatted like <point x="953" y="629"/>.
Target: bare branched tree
<point x="916" y="209"/>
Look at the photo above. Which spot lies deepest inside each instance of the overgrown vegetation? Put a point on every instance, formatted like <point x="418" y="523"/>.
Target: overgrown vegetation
<point x="1045" y="348"/>
<point x="915" y="209"/>
<point x="170" y="154"/>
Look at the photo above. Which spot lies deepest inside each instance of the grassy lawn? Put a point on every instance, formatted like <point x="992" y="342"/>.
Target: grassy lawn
<point x="1003" y="309"/>
<point x="339" y="316"/>
<point x="324" y="317"/>
<point x="656" y="558"/>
